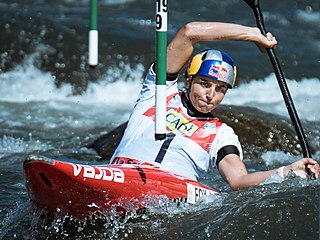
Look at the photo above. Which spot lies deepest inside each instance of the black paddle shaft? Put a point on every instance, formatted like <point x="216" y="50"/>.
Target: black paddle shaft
<point x="254" y="4"/>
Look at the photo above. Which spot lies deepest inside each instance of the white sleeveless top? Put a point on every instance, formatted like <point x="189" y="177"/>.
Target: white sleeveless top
<point x="193" y="143"/>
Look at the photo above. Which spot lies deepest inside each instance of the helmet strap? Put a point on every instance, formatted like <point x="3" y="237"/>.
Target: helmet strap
<point x="185" y="98"/>
<point x="189" y="82"/>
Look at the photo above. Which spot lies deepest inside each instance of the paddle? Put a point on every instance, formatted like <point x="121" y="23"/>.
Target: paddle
<point x="254" y="4"/>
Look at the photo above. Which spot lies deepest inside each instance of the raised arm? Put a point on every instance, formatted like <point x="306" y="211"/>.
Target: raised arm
<point x="181" y="47"/>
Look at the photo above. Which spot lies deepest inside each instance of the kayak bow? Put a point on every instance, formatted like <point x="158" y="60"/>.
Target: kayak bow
<point x="74" y="189"/>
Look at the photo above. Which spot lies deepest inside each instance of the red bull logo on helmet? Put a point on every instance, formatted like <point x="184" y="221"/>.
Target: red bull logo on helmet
<point x="218" y="72"/>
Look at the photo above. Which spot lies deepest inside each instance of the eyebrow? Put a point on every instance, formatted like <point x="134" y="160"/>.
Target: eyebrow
<point x="219" y="83"/>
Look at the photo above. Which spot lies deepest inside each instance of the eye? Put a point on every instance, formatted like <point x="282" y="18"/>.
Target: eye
<point x="221" y="89"/>
<point x="205" y="84"/>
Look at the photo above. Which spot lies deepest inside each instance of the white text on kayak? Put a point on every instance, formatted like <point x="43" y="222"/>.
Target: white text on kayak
<point x="101" y="173"/>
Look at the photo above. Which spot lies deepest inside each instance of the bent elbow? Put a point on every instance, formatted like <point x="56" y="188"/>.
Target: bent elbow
<point x="189" y="30"/>
<point x="236" y="185"/>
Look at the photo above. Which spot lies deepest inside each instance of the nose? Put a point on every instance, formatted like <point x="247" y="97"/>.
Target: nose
<point x="210" y="93"/>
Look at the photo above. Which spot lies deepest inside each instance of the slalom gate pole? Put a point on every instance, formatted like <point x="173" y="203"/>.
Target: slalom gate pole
<point x="161" y="68"/>
<point x="93" y="34"/>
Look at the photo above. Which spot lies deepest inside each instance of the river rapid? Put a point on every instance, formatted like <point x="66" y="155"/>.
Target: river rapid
<point x="53" y="104"/>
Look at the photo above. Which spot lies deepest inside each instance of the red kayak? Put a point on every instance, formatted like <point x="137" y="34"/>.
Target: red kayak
<point x="64" y="188"/>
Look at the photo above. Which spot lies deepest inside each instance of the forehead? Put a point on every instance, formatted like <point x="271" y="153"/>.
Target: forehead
<point x="197" y="78"/>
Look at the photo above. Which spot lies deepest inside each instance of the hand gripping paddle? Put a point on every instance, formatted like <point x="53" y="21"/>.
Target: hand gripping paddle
<point x="254" y="4"/>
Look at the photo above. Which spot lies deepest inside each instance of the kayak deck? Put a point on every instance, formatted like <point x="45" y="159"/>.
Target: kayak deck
<point x="76" y="189"/>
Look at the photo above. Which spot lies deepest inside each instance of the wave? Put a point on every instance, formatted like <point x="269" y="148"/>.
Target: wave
<point x="265" y="95"/>
<point x="308" y="15"/>
<point x="101" y="2"/>
<point x="27" y="83"/>
<point x="9" y="145"/>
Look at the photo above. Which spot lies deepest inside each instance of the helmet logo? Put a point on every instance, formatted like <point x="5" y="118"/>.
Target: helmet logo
<point x="218" y="72"/>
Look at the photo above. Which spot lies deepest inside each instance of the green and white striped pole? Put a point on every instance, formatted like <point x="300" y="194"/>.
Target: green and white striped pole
<point x="93" y="34"/>
<point x="161" y="68"/>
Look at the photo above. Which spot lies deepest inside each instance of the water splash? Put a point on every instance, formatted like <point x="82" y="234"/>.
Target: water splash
<point x="9" y="145"/>
<point x="27" y="83"/>
<point x="118" y="87"/>
<point x="14" y="220"/>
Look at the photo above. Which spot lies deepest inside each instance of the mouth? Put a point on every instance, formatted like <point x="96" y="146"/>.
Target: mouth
<point x="206" y="103"/>
<point x="206" y="106"/>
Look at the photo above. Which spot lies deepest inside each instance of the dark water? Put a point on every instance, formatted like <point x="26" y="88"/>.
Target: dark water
<point x="52" y="103"/>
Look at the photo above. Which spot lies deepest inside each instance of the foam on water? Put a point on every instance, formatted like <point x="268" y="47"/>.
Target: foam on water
<point x="27" y="83"/>
<point x="9" y="145"/>
<point x="308" y="15"/>
<point x="102" y="2"/>
<point x="265" y="94"/>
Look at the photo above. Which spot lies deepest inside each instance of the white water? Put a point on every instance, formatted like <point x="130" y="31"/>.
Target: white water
<point x="26" y="83"/>
<point x="9" y="145"/>
<point x="101" y="2"/>
<point x="265" y="94"/>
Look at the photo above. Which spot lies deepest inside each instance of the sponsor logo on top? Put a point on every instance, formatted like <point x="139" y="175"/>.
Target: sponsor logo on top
<point x="177" y="122"/>
<point x="99" y="172"/>
<point x="219" y="72"/>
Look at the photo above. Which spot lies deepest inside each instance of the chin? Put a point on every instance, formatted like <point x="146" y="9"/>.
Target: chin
<point x="203" y="110"/>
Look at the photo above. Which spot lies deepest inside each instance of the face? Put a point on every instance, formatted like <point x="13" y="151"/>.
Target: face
<point x="206" y="93"/>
